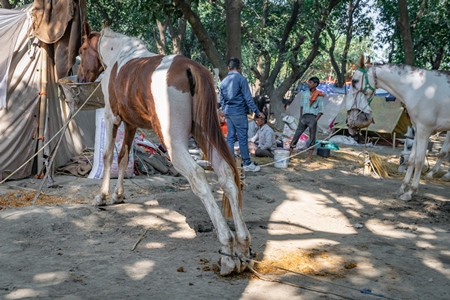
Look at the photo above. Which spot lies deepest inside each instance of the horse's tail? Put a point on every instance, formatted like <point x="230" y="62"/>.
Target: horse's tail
<point x="205" y="124"/>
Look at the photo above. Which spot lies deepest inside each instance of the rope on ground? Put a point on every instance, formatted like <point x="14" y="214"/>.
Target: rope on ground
<point x="260" y="276"/>
<point x="140" y="239"/>
<point x="56" y="134"/>
<point x="296" y="285"/>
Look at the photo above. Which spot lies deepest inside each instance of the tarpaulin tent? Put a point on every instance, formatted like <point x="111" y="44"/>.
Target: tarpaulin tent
<point x="390" y="117"/>
<point x="31" y="111"/>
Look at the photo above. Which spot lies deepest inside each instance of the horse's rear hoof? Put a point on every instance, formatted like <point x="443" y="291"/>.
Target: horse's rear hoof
<point x="99" y="201"/>
<point x="227" y="265"/>
<point x="429" y="176"/>
<point x="116" y="199"/>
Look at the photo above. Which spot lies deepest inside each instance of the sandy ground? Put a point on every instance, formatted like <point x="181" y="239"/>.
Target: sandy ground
<point x="340" y="234"/>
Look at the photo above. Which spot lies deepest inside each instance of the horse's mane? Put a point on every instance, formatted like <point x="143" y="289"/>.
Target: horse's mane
<point x="133" y="47"/>
<point x="407" y="68"/>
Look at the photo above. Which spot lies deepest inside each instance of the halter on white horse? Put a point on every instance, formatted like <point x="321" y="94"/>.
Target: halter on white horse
<point x="425" y="94"/>
<point x="359" y="112"/>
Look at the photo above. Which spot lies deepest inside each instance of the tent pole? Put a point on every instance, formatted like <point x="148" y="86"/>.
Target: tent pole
<point x="393" y="140"/>
<point x="42" y="104"/>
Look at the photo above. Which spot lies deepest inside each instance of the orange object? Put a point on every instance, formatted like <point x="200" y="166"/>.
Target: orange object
<point x="224" y="128"/>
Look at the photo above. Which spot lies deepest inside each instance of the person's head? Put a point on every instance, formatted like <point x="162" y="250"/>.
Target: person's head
<point x="260" y="121"/>
<point x="222" y="118"/>
<point x="233" y="64"/>
<point x="313" y="82"/>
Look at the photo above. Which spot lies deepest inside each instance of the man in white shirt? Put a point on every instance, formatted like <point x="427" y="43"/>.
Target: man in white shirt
<point x="263" y="143"/>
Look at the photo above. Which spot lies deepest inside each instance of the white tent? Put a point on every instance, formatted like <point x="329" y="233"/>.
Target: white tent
<point x="31" y="112"/>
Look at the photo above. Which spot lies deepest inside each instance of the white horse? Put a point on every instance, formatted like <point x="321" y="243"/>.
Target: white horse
<point x="442" y="155"/>
<point x="426" y="96"/>
<point x="175" y="97"/>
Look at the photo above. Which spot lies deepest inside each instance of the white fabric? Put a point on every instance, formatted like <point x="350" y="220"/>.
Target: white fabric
<point x="99" y="149"/>
<point x="11" y="23"/>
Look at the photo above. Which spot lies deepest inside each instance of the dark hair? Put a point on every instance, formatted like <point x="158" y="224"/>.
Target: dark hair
<point x="315" y="80"/>
<point x="265" y="117"/>
<point x="234" y="63"/>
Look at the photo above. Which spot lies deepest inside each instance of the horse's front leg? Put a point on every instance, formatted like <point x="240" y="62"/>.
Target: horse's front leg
<point x="420" y="147"/>
<point x="117" y="196"/>
<point x="409" y="171"/>
<point x="110" y="134"/>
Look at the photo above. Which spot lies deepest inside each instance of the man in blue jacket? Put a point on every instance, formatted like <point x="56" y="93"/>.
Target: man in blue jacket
<point x="236" y="102"/>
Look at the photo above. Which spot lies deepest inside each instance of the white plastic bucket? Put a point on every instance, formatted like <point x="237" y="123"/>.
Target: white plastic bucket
<point x="281" y="158"/>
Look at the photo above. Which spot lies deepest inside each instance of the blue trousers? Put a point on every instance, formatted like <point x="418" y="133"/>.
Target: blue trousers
<point x="238" y="125"/>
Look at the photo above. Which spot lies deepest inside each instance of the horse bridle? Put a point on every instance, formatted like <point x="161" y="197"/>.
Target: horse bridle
<point x="366" y="83"/>
<point x="98" y="48"/>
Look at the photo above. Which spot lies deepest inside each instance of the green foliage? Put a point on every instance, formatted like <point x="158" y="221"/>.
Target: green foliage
<point x="430" y="31"/>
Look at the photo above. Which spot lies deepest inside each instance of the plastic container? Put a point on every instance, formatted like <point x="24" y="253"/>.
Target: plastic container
<point x="281" y="158"/>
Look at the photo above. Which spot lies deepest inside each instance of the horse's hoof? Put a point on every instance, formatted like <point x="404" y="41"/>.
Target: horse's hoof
<point x="227" y="265"/>
<point x="99" y="201"/>
<point x="405" y="197"/>
<point x="399" y="192"/>
<point x="429" y="176"/>
<point x="446" y="177"/>
<point x="116" y="199"/>
<point x="243" y="263"/>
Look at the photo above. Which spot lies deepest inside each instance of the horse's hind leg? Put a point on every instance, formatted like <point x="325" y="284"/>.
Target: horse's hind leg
<point x="183" y="162"/>
<point x="442" y="155"/>
<point x="117" y="196"/>
<point x="226" y="180"/>
<point x="108" y="155"/>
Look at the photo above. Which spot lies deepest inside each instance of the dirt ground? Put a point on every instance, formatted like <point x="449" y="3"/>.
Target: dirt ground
<point x="332" y="232"/>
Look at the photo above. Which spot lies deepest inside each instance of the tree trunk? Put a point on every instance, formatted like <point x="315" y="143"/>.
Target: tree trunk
<point x="5" y="4"/>
<point x="405" y="32"/>
<point x="178" y="36"/>
<point x="202" y="35"/>
<point x="233" y="21"/>
<point x="160" y="38"/>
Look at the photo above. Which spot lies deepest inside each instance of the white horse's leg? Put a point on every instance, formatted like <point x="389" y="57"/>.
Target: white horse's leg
<point x="117" y="196"/>
<point x="442" y="155"/>
<point x="225" y="176"/>
<point x="420" y="145"/>
<point x="409" y="171"/>
<point x="108" y="155"/>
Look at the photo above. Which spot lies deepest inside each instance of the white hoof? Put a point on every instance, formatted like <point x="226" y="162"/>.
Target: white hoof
<point x="99" y="200"/>
<point x="227" y="265"/>
<point x="399" y="192"/>
<point x="116" y="199"/>
<point x="405" y="197"/>
<point x="446" y="177"/>
<point x="429" y="175"/>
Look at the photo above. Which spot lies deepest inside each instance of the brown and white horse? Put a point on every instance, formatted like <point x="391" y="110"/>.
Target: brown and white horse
<point x="426" y="96"/>
<point x="175" y="97"/>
